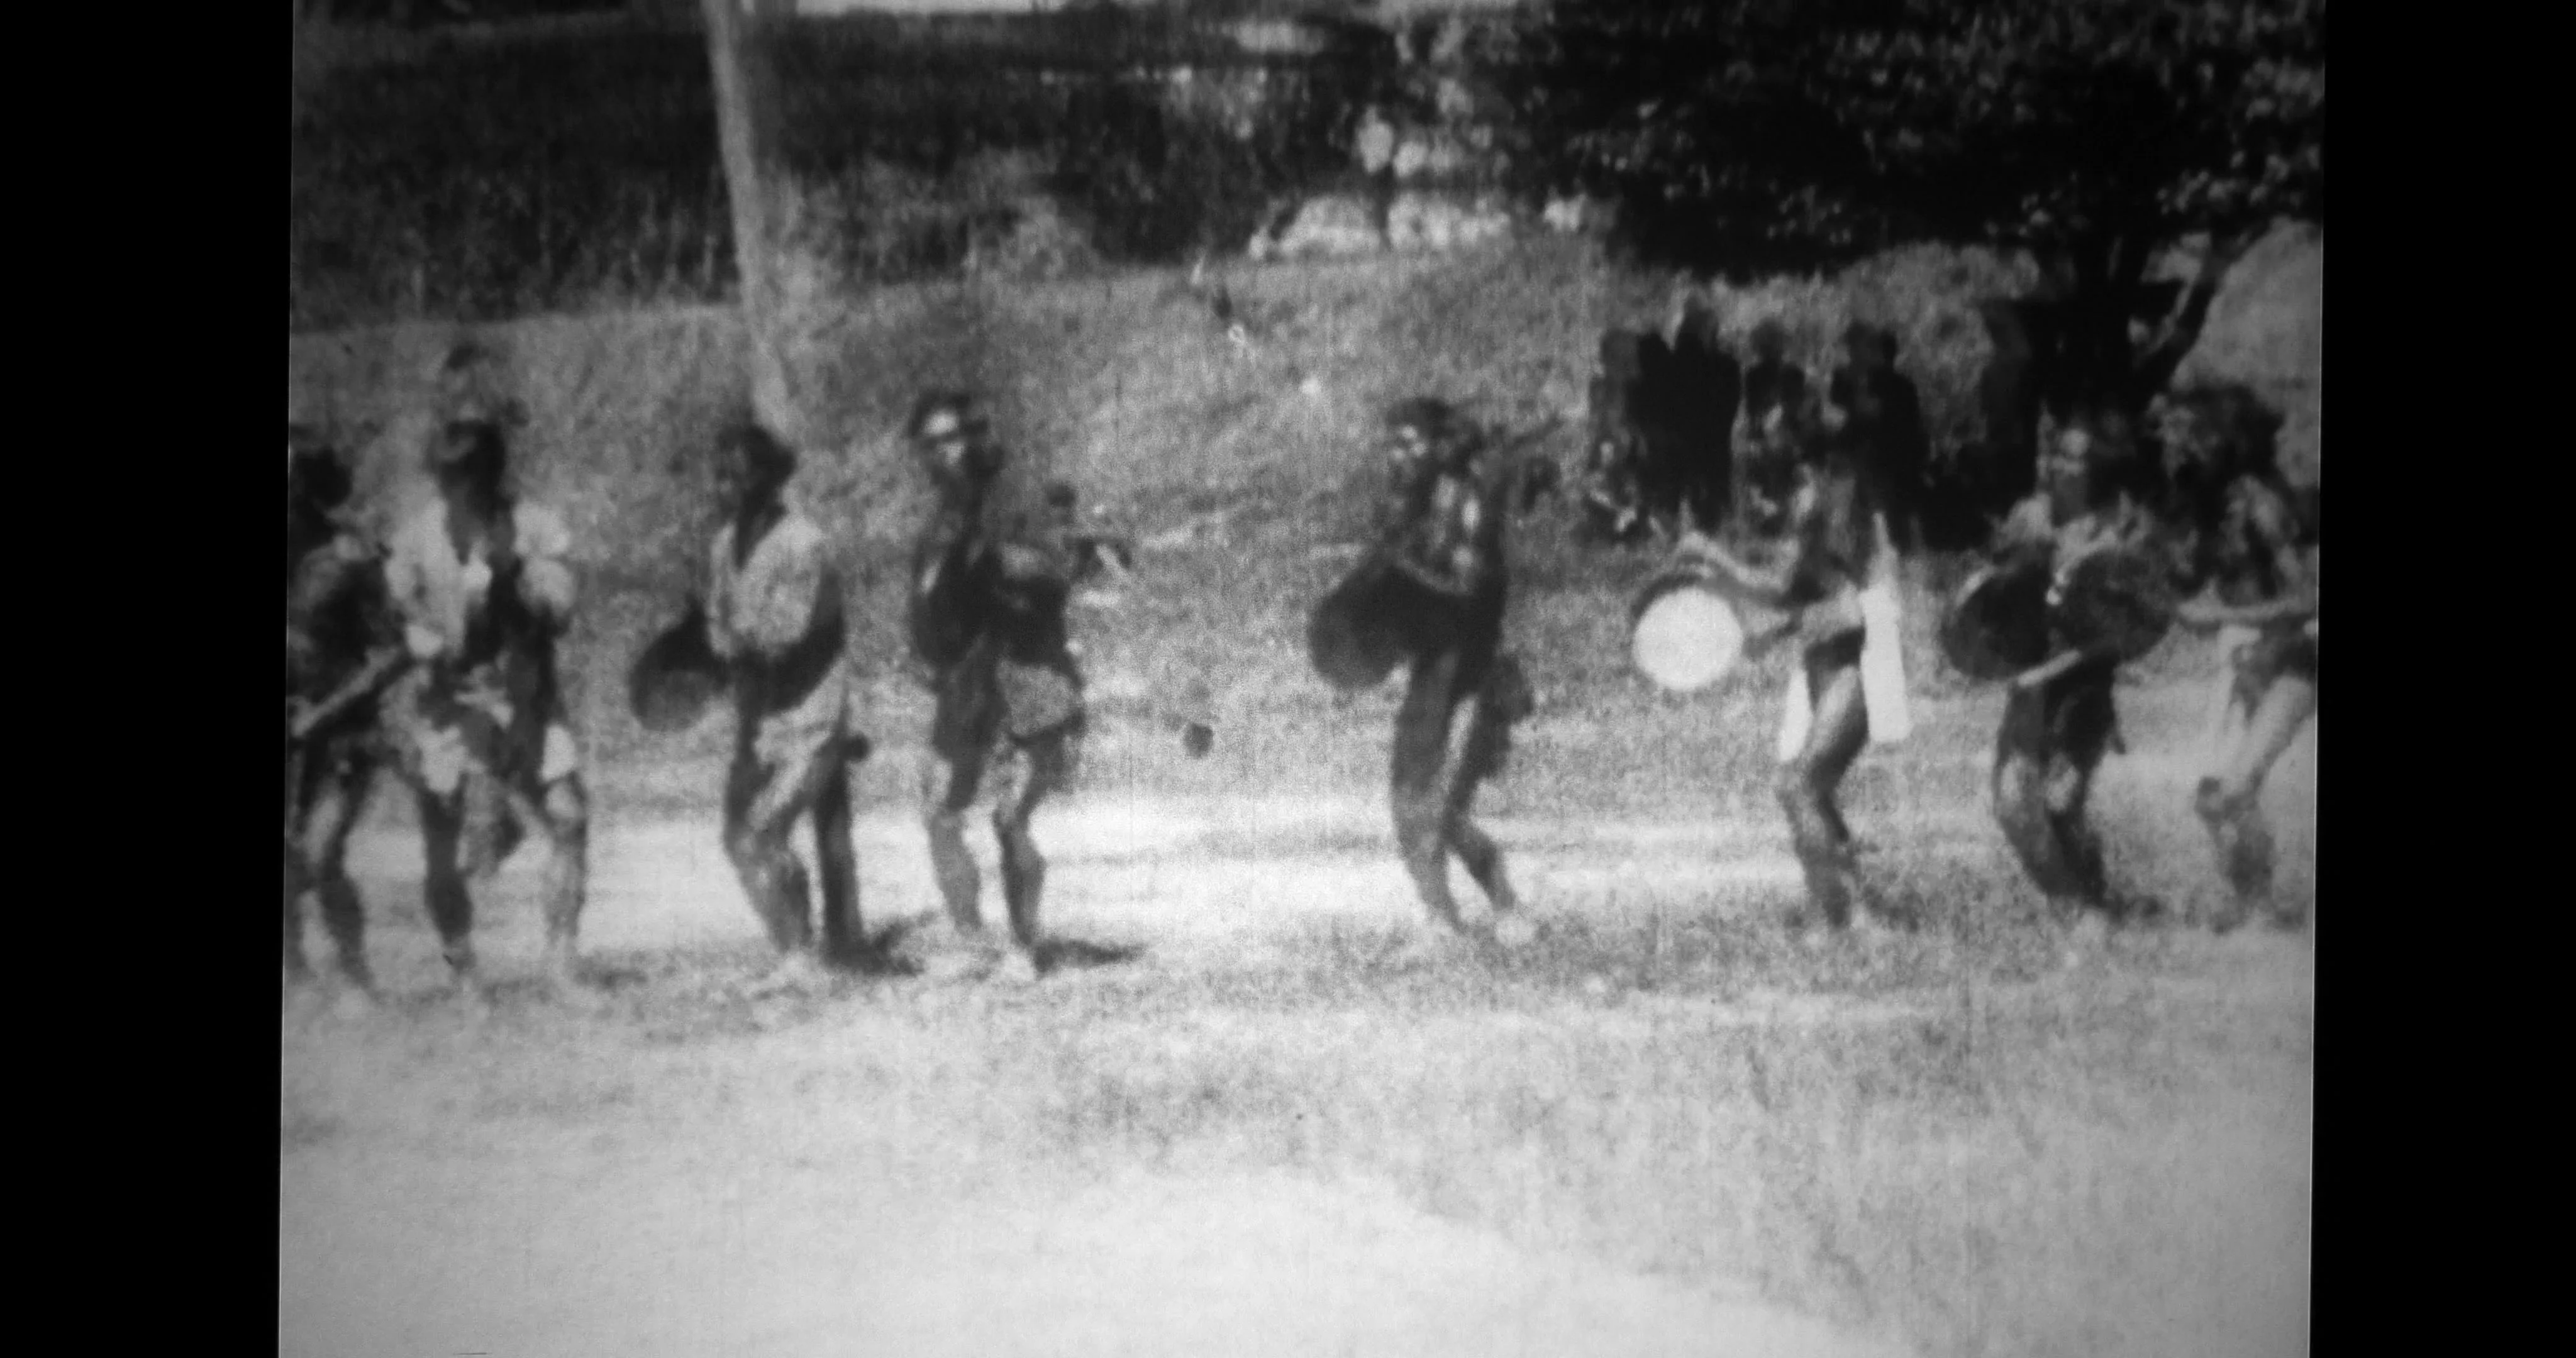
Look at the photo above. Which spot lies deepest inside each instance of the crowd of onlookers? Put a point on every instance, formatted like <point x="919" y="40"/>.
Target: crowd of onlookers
<point x="1678" y="428"/>
<point x="1680" y="425"/>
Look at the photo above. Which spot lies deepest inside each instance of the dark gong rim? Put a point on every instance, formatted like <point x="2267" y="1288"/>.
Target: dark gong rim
<point x="2117" y="599"/>
<point x="1995" y="607"/>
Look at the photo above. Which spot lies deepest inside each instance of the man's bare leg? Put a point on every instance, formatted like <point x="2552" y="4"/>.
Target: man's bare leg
<point x="443" y="891"/>
<point x="1482" y="857"/>
<point x="948" y="790"/>
<point x="1807" y="786"/>
<point x="948" y="787"/>
<point x="2230" y="803"/>
<point x="1418" y="787"/>
<point x="333" y="814"/>
<point x="297" y="970"/>
<point x="838" y="858"/>
<point x="2040" y="806"/>
<point x="1030" y="773"/>
<point x="759" y="816"/>
<point x="566" y="808"/>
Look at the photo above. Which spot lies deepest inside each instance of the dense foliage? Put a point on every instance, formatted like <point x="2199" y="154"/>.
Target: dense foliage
<point x="1745" y="136"/>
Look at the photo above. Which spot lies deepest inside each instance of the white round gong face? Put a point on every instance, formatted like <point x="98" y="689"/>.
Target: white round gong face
<point x="1687" y="640"/>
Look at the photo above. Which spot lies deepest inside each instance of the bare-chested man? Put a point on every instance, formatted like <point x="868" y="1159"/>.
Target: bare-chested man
<point x="2059" y="720"/>
<point x="774" y="617"/>
<point x="484" y="584"/>
<point x="341" y="638"/>
<point x="1440" y="540"/>
<point x="1771" y="381"/>
<point x="2253" y="561"/>
<point x="1833" y="559"/>
<point x="987" y="615"/>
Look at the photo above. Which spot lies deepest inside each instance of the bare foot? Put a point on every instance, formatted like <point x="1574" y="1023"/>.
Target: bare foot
<point x="961" y="957"/>
<point x="472" y="998"/>
<point x="352" y="1001"/>
<point x="1430" y="942"/>
<point x="797" y="973"/>
<point x="1018" y="966"/>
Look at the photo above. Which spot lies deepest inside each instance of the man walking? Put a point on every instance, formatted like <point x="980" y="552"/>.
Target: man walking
<point x="774" y="617"/>
<point x="484" y="586"/>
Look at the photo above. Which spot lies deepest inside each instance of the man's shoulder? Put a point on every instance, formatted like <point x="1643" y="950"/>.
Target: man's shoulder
<point x="353" y="548"/>
<point x="797" y="532"/>
<point x="795" y="538"/>
<point x="334" y="557"/>
<point x="2262" y="506"/>
<point x="540" y="526"/>
<point x="417" y="532"/>
<point x="2030" y="516"/>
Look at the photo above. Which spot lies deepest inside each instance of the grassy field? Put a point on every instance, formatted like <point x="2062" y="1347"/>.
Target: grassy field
<point x="1230" y="1119"/>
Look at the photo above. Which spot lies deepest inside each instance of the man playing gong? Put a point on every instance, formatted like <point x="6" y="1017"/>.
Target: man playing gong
<point x="1834" y="574"/>
<point x="1430" y="595"/>
<point x="2059" y="721"/>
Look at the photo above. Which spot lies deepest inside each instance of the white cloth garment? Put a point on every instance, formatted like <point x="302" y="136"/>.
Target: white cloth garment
<point x="1882" y="665"/>
<point x="2227" y="716"/>
<point x="1797" y="714"/>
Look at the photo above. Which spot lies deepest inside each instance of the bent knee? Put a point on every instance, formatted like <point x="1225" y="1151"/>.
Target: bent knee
<point x="2218" y="799"/>
<point x="1796" y="783"/>
<point x="319" y="851"/>
<point x="2015" y="785"/>
<point x="1420" y="819"/>
<point x="567" y="808"/>
<point x="745" y="845"/>
<point x="1011" y="819"/>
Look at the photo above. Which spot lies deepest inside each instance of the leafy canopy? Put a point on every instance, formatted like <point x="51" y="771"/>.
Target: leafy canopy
<point x="1753" y="134"/>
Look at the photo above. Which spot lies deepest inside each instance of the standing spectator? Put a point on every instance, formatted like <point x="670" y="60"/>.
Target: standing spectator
<point x="1654" y="411"/>
<point x="1708" y="387"/>
<point x="1613" y="496"/>
<point x="1884" y="415"/>
<point x="1773" y="383"/>
<point x="2008" y="399"/>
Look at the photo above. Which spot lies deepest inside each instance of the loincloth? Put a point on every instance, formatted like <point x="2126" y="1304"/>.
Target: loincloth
<point x="990" y="696"/>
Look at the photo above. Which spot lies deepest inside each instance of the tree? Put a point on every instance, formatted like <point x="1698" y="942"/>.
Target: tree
<point x="738" y="125"/>
<point x="1750" y="135"/>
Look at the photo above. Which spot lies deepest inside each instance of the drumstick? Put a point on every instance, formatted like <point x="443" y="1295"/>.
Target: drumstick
<point x="2055" y="666"/>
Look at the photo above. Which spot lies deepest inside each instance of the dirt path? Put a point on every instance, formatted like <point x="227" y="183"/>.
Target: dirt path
<point x="779" y="1225"/>
<point x="782" y="1219"/>
<point x="564" y="1251"/>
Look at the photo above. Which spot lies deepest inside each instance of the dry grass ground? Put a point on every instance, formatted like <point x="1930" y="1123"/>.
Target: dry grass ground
<point x="1254" y="1131"/>
<point x="1229" y="1120"/>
